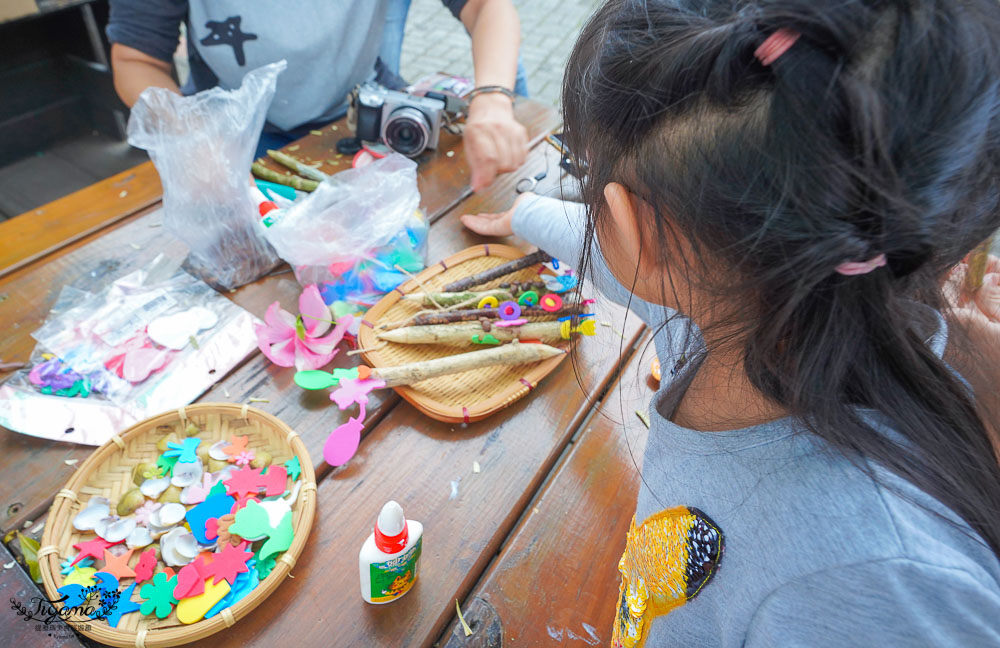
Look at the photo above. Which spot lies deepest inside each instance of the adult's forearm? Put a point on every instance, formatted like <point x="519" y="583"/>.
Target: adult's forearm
<point x="496" y="37"/>
<point x="134" y="72"/>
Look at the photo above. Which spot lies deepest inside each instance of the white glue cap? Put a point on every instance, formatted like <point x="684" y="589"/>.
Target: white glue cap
<point x="391" y="521"/>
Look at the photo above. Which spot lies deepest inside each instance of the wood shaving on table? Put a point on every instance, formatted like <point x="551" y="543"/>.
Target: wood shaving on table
<point x="258" y="400"/>
<point x="612" y="327"/>
<point x="135" y="246"/>
<point x="10" y="564"/>
<point x="315" y="132"/>
<point x="71" y="462"/>
<point x="465" y="626"/>
<point x="294" y="148"/>
<point x="226" y="392"/>
<point x="643" y="417"/>
<point x="475" y="467"/>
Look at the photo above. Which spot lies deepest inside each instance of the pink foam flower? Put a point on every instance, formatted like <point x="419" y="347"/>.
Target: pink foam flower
<point x="143" y="513"/>
<point x="305" y="341"/>
<point x="244" y="458"/>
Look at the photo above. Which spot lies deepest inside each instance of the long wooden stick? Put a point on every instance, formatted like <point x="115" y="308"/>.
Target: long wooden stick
<point x="508" y="354"/>
<point x="461" y="334"/>
<point x="297" y="166"/>
<point x="451" y="298"/>
<point x="499" y="271"/>
<point x="264" y="173"/>
<point x="504" y="292"/>
<point x="530" y="313"/>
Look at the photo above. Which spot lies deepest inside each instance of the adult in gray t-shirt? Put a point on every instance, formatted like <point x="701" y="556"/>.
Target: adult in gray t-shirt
<point x="330" y="46"/>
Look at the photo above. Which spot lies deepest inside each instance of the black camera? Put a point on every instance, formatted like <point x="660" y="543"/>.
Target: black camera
<point x="406" y="123"/>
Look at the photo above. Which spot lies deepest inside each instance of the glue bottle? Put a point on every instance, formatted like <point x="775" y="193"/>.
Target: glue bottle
<point x="390" y="557"/>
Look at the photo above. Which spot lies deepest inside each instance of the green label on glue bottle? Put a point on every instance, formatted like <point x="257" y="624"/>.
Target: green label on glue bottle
<point x="393" y="578"/>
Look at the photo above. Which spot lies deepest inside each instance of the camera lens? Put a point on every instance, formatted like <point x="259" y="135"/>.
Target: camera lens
<point x="406" y="131"/>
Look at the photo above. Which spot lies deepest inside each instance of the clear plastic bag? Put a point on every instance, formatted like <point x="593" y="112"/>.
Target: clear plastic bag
<point x="155" y="344"/>
<point x="350" y="234"/>
<point x="203" y="146"/>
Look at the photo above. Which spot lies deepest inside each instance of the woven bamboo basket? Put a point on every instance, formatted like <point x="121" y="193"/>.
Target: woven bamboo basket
<point x="108" y="473"/>
<point x="462" y="397"/>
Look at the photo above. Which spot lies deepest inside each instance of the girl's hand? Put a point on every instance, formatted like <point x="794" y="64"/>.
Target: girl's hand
<point x="494" y="224"/>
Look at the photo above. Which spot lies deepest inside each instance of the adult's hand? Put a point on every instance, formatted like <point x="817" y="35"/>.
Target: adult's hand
<point x="494" y="141"/>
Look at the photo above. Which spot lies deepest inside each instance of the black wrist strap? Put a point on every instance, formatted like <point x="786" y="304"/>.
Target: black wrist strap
<point x="491" y="89"/>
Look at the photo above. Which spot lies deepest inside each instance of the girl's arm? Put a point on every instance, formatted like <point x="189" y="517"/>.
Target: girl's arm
<point x="557" y="227"/>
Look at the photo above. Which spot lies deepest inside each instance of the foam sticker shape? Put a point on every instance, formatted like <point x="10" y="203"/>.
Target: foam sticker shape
<point x="243" y="482"/>
<point x="193" y="609"/>
<point x="220" y="486"/>
<point x="66" y="567"/>
<point x="510" y="310"/>
<point x="186" y="451"/>
<point x="245" y="583"/>
<point x="528" y="298"/>
<point x="124" y="606"/>
<point x="293" y="467"/>
<point x="166" y="466"/>
<point x="237" y="445"/>
<point x="551" y="302"/>
<point x="91" y="549"/>
<point x="315" y="379"/>
<point x="75" y="594"/>
<point x="213" y="507"/>
<point x="190" y="582"/>
<point x="505" y="323"/>
<point x="83" y="577"/>
<point x="355" y="391"/>
<point x="264" y="567"/>
<point x="106" y="587"/>
<point x="229" y="562"/>
<point x="175" y="331"/>
<point x="144" y="568"/>
<point x="117" y="566"/>
<point x="253" y="521"/>
<point x="276" y="510"/>
<point x="241" y="502"/>
<point x="198" y="493"/>
<point x="273" y="481"/>
<point x="487" y="339"/>
<point x="343" y="442"/>
<point x="158" y="596"/>
<point x="561" y="283"/>
<point x="280" y="539"/>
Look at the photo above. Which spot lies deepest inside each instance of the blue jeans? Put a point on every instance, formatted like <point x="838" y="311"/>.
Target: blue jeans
<point x="392" y="43"/>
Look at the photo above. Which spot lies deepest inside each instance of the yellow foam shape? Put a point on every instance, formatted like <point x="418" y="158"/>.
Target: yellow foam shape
<point x="193" y="609"/>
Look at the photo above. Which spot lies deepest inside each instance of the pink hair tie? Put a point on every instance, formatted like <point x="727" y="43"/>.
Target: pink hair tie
<point x="776" y="45"/>
<point x="852" y="268"/>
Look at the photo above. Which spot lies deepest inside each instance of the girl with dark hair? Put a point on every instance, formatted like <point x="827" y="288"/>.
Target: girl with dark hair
<point x="779" y="188"/>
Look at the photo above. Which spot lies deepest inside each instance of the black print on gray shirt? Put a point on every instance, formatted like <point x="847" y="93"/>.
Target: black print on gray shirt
<point x="228" y="32"/>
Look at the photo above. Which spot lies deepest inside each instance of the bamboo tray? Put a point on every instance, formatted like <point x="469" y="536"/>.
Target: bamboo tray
<point x="108" y="473"/>
<point x="462" y="397"/>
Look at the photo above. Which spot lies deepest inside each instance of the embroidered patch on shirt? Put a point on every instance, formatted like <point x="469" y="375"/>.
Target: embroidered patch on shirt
<point x="667" y="561"/>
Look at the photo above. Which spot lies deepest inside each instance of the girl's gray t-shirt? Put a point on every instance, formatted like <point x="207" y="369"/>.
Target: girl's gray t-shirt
<point x="768" y="537"/>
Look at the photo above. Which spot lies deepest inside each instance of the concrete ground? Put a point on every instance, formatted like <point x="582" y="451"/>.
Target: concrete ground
<point x="436" y="42"/>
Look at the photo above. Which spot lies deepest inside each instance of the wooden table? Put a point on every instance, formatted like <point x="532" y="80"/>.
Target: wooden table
<point x="529" y="547"/>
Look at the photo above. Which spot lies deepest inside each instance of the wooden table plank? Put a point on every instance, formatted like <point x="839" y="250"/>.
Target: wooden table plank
<point x="580" y="517"/>
<point x="17" y="631"/>
<point x="32" y="466"/>
<point x="41" y="231"/>
<point x="413" y="459"/>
